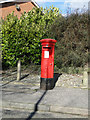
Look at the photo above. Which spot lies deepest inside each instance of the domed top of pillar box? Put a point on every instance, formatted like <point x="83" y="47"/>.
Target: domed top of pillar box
<point x="48" y="41"/>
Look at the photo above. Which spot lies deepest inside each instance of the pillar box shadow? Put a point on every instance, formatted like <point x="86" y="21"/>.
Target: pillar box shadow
<point x="56" y="76"/>
<point x="36" y="106"/>
<point x="49" y="83"/>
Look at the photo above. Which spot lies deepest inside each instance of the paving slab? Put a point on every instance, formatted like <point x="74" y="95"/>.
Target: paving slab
<point x="26" y="95"/>
<point x="68" y="100"/>
<point x="25" y="114"/>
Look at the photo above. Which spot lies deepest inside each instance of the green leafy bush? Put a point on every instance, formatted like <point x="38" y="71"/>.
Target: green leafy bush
<point x="21" y="37"/>
<point x="72" y="38"/>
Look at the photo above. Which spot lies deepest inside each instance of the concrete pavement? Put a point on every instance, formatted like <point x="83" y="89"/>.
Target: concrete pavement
<point x="27" y="96"/>
<point x="24" y="115"/>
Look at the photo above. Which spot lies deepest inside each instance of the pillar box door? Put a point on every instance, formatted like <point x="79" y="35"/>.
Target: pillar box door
<point x="47" y="63"/>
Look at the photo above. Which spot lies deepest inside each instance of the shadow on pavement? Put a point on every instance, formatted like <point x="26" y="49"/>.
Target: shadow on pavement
<point x="36" y="106"/>
<point x="56" y="76"/>
<point x="8" y="82"/>
<point x="15" y="79"/>
<point x="24" y="76"/>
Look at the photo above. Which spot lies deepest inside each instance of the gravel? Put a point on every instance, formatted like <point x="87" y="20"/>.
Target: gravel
<point x="64" y="80"/>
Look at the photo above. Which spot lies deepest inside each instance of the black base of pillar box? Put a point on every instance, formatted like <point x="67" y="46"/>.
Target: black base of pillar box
<point x="46" y="83"/>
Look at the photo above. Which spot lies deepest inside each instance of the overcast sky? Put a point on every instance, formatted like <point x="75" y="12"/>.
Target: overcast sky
<point x="63" y="5"/>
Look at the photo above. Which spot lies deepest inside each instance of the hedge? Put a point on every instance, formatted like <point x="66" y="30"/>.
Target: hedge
<point x="71" y="33"/>
<point x="21" y="37"/>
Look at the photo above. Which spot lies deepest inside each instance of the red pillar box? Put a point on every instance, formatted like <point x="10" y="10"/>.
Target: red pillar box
<point x="47" y="64"/>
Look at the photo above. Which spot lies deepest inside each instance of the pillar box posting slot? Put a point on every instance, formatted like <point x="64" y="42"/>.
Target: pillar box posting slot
<point x="47" y="64"/>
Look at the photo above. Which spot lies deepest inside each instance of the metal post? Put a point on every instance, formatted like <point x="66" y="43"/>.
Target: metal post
<point x="85" y="76"/>
<point x="19" y="70"/>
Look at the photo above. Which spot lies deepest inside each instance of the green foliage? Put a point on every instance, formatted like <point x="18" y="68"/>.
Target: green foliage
<point x="21" y="37"/>
<point x="72" y="38"/>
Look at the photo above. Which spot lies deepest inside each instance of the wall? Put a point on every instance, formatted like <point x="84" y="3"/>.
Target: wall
<point x="8" y="8"/>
